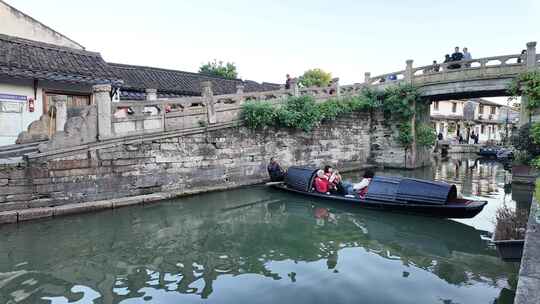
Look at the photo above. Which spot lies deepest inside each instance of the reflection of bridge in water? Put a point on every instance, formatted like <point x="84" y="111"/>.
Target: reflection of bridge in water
<point x="180" y="250"/>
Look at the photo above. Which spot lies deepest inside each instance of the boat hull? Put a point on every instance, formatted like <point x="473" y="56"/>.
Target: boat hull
<point x="457" y="210"/>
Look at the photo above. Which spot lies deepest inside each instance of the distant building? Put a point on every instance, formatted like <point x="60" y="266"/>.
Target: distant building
<point x="489" y="120"/>
<point x="16" y="23"/>
<point x="173" y="83"/>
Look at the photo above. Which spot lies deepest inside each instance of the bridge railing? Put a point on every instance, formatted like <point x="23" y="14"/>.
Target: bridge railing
<point x="136" y="117"/>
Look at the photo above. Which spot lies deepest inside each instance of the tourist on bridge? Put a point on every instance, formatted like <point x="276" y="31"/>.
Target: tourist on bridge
<point x="522" y="57"/>
<point x="435" y="67"/>
<point x="288" y="82"/>
<point x="447" y="58"/>
<point x="277" y="174"/>
<point x="467" y="56"/>
<point x="456" y="56"/>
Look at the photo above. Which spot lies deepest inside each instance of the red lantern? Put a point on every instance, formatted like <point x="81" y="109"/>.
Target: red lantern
<point x="31" y="105"/>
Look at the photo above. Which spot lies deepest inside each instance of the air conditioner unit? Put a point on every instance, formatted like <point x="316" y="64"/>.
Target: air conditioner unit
<point x="491" y="117"/>
<point x="480" y="117"/>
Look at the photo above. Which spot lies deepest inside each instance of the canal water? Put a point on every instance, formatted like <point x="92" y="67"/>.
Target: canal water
<point x="258" y="245"/>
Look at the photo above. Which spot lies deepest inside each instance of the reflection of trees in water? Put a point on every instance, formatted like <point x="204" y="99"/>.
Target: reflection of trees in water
<point x="186" y="251"/>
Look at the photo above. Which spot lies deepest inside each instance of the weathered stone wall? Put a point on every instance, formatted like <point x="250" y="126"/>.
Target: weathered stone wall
<point x="203" y="161"/>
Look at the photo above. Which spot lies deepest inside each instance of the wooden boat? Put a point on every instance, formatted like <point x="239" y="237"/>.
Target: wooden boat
<point x="406" y="195"/>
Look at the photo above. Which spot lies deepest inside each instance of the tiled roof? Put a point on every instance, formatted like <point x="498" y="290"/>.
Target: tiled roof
<point x="486" y="102"/>
<point x="174" y="83"/>
<point x="24" y="58"/>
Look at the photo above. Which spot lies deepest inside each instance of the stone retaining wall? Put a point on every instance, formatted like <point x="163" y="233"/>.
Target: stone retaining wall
<point x="204" y="160"/>
<point x="528" y="288"/>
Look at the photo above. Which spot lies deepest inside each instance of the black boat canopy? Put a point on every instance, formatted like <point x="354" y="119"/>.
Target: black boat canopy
<point x="301" y="178"/>
<point x="410" y="190"/>
<point x="383" y="188"/>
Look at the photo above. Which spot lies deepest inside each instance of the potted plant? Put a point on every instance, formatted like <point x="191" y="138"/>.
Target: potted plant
<point x="526" y="152"/>
<point x="509" y="236"/>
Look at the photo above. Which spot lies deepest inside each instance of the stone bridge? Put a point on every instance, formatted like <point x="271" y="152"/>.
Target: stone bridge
<point x="482" y="77"/>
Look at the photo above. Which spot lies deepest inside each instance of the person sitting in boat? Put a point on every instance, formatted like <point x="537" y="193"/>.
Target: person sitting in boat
<point x="275" y="171"/>
<point x="337" y="185"/>
<point x="361" y="188"/>
<point x="322" y="185"/>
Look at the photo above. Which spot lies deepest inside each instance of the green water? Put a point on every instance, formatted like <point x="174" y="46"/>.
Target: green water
<point x="257" y="245"/>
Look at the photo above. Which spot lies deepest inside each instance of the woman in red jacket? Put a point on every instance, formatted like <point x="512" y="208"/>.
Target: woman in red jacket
<point x="322" y="185"/>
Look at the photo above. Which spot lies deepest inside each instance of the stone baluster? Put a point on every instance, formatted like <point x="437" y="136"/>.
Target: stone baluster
<point x="139" y="116"/>
<point x="151" y="94"/>
<point x="525" y="114"/>
<point x="294" y="87"/>
<point x="367" y="77"/>
<point x="335" y="84"/>
<point x="208" y="100"/>
<point x="408" y="77"/>
<point x="102" y="98"/>
<point x="60" y="104"/>
<point x="531" y="55"/>
<point x="240" y="92"/>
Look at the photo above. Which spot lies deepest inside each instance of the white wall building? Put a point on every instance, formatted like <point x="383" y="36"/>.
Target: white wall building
<point x="453" y="118"/>
<point x="15" y="23"/>
<point x="31" y="73"/>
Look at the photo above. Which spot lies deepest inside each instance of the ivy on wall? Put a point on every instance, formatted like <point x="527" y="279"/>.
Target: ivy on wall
<point x="303" y="113"/>
<point x="527" y="142"/>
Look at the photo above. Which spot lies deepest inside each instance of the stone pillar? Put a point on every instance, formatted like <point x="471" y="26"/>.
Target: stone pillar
<point x="530" y="60"/>
<point x="367" y="77"/>
<point x="239" y="92"/>
<point x="60" y="104"/>
<point x="335" y="84"/>
<point x="408" y="71"/>
<point x="102" y="100"/>
<point x="294" y="87"/>
<point x="531" y="55"/>
<point x="151" y="94"/>
<point x="208" y="100"/>
<point x="239" y="89"/>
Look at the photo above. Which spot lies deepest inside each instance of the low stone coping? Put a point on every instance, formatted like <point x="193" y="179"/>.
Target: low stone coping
<point x="15" y="216"/>
<point x="528" y="288"/>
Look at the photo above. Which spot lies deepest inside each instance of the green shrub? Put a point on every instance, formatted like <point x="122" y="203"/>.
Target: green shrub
<point x="315" y="77"/>
<point x="258" y="114"/>
<point x="299" y="113"/>
<point x="523" y="140"/>
<point x="219" y="68"/>
<point x="535" y="132"/>
<point x="398" y="100"/>
<point x="425" y="135"/>
<point x="405" y="137"/>
<point x="535" y="162"/>
<point x="527" y="84"/>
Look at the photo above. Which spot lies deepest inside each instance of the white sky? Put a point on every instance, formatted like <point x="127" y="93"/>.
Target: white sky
<point x="267" y="39"/>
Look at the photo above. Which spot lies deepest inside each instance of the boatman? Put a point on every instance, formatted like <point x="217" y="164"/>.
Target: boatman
<point x="274" y="170"/>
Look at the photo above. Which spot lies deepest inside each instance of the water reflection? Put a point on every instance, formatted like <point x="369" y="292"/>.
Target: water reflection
<point x="246" y="246"/>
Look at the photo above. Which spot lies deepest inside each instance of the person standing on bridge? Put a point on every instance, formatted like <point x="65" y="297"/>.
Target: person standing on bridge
<point x="288" y="82"/>
<point x="467" y="56"/>
<point x="456" y="56"/>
